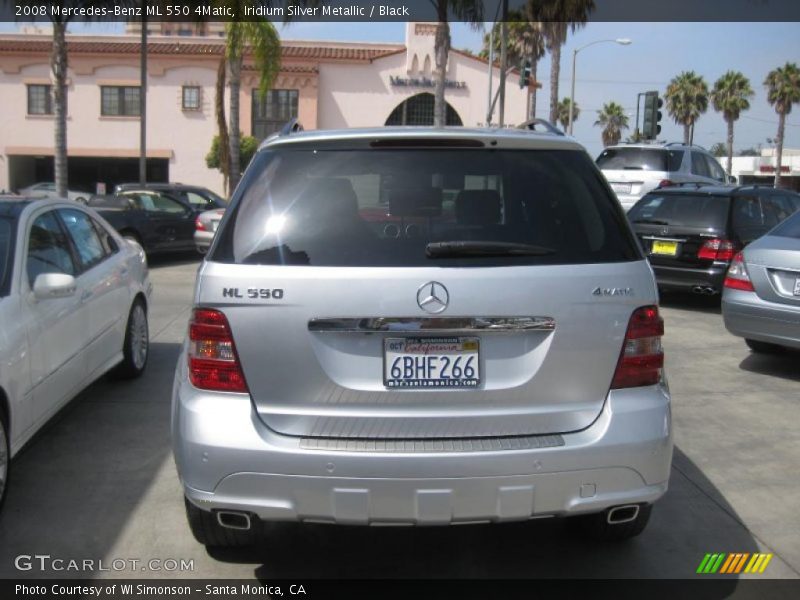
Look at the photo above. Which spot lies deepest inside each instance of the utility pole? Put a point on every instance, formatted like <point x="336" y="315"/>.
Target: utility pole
<point x="491" y="77"/>
<point x="503" y="58"/>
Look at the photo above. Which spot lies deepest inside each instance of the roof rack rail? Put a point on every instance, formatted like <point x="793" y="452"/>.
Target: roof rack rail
<point x="531" y="124"/>
<point x="291" y="127"/>
<point x="753" y="185"/>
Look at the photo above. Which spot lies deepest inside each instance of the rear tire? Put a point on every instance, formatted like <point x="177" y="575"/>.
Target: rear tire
<point x="207" y="531"/>
<point x="136" y="347"/>
<point x="5" y="457"/>
<point x="597" y="527"/>
<point x="763" y="347"/>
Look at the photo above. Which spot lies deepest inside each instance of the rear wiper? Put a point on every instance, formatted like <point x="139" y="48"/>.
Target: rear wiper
<point x="469" y="248"/>
<point x="651" y="221"/>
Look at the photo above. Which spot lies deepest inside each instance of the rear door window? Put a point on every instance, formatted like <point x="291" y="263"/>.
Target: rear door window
<point x="637" y="159"/>
<point x="750" y="221"/>
<point x="681" y="210"/>
<point x="385" y="207"/>
<point x="714" y="170"/>
<point x="699" y="165"/>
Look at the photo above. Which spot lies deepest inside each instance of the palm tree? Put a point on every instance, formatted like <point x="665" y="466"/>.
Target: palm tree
<point x="469" y="11"/>
<point x="563" y="112"/>
<point x="261" y="39"/>
<point x="558" y="17"/>
<point x="613" y="120"/>
<point x="730" y="96"/>
<point x="783" y="90"/>
<point x="525" y="42"/>
<point x="687" y="99"/>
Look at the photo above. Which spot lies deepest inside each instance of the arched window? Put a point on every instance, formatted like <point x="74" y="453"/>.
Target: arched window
<point x="418" y="110"/>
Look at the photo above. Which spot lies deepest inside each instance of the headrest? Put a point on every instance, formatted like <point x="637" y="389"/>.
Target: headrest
<point x="478" y="207"/>
<point x="415" y="202"/>
<point x="329" y="197"/>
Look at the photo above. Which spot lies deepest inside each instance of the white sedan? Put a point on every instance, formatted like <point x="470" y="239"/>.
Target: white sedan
<point x="73" y="305"/>
<point x="47" y="189"/>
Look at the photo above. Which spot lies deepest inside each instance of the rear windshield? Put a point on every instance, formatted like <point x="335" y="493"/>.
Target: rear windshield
<point x="387" y="207"/>
<point x="640" y="159"/>
<point x="5" y="255"/>
<point x="789" y="228"/>
<point x="681" y="210"/>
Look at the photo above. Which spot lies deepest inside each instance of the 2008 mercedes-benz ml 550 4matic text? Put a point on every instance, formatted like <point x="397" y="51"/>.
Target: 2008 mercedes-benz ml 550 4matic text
<point x="422" y="327"/>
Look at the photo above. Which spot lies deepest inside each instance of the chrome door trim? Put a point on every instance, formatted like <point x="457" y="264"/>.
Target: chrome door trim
<point x="431" y="324"/>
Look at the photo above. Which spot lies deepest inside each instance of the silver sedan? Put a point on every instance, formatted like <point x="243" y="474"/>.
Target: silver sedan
<point x="205" y="227"/>
<point x="761" y="298"/>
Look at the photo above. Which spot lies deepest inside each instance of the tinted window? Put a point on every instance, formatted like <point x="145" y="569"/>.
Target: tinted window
<point x="784" y="206"/>
<point x="84" y="235"/>
<point x="715" y="171"/>
<point x="48" y="249"/>
<point x="640" y="159"/>
<point x="383" y="208"/>
<point x="699" y="165"/>
<point x="6" y="255"/>
<point x="681" y="210"/>
<point x="750" y="220"/>
<point x="789" y="228"/>
<point x="155" y="202"/>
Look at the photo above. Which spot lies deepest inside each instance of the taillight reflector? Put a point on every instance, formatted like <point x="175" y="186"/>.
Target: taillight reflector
<point x="642" y="357"/>
<point x="213" y="362"/>
<point x="717" y="249"/>
<point x="737" y="277"/>
<point x="198" y="224"/>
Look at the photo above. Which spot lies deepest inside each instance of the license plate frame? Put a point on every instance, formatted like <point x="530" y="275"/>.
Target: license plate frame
<point x="796" y="291"/>
<point x="621" y="188"/>
<point x="463" y="352"/>
<point x="664" y="248"/>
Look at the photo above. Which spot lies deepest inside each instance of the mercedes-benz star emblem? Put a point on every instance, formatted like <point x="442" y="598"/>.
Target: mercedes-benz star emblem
<point x="432" y="297"/>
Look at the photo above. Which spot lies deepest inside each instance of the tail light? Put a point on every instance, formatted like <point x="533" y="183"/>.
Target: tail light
<point x="665" y="183"/>
<point x="213" y="362"/>
<point x="717" y="249"/>
<point x="737" y="277"/>
<point x="198" y="224"/>
<point x="642" y="357"/>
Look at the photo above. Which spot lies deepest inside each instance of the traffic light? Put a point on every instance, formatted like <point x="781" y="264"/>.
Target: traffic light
<point x="652" y="116"/>
<point x="524" y="74"/>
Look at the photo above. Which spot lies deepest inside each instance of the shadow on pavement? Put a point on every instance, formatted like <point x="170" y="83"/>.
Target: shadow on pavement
<point x="75" y="486"/>
<point x="174" y="259"/>
<point x="686" y="524"/>
<point x="689" y="301"/>
<point x="783" y="365"/>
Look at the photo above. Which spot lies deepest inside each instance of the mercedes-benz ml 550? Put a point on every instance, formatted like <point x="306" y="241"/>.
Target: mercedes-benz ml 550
<point x="422" y="327"/>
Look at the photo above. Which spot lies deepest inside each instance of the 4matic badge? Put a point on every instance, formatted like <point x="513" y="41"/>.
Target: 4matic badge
<point x="601" y="291"/>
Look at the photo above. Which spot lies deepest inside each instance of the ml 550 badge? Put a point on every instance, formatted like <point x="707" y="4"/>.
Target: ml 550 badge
<point x="254" y="293"/>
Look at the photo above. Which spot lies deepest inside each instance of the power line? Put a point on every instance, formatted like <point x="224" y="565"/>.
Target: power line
<point x="770" y="122"/>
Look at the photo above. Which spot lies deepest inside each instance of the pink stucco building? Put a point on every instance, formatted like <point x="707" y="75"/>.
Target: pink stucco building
<point x="324" y="84"/>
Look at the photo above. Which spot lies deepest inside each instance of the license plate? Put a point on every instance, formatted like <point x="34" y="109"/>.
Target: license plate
<point x="214" y="225"/>
<point x="621" y="188"/>
<point x="797" y="287"/>
<point x="427" y="362"/>
<point x="665" y="248"/>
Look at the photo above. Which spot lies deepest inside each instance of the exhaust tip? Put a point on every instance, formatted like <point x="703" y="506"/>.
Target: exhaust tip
<point x="622" y="514"/>
<point x="234" y="520"/>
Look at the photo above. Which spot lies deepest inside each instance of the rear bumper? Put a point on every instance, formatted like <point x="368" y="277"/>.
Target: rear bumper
<point x="227" y="459"/>
<point x="202" y="240"/>
<point x="748" y="316"/>
<point x="686" y="279"/>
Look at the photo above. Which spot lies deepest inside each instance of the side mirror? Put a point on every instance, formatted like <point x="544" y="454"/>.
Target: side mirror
<point x="53" y="285"/>
<point x="732" y="179"/>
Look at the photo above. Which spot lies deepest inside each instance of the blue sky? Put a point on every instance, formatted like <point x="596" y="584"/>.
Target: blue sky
<point x="608" y="72"/>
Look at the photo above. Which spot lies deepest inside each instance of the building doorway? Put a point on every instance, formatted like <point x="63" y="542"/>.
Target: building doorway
<point x="418" y="110"/>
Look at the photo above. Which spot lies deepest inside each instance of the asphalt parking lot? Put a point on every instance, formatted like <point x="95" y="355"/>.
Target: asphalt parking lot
<point x="99" y="481"/>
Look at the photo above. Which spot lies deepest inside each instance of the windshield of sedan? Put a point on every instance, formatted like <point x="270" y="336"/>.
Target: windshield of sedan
<point x="5" y="256"/>
<point x="406" y="208"/>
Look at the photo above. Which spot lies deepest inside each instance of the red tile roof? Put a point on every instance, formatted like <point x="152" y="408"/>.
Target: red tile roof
<point x="195" y="48"/>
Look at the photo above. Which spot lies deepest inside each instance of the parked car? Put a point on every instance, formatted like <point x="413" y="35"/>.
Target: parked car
<point x="632" y="170"/>
<point x="73" y="305"/>
<point x="206" y="225"/>
<point x="761" y="300"/>
<point x="691" y="234"/>
<point x="501" y="360"/>
<point x="199" y="198"/>
<point x="47" y="189"/>
<point x="155" y="220"/>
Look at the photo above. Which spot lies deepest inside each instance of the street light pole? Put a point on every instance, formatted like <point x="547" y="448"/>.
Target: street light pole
<point x="621" y="41"/>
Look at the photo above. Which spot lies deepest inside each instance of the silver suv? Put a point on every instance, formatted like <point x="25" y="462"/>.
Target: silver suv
<point x="422" y="327"/>
<point x="632" y="170"/>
